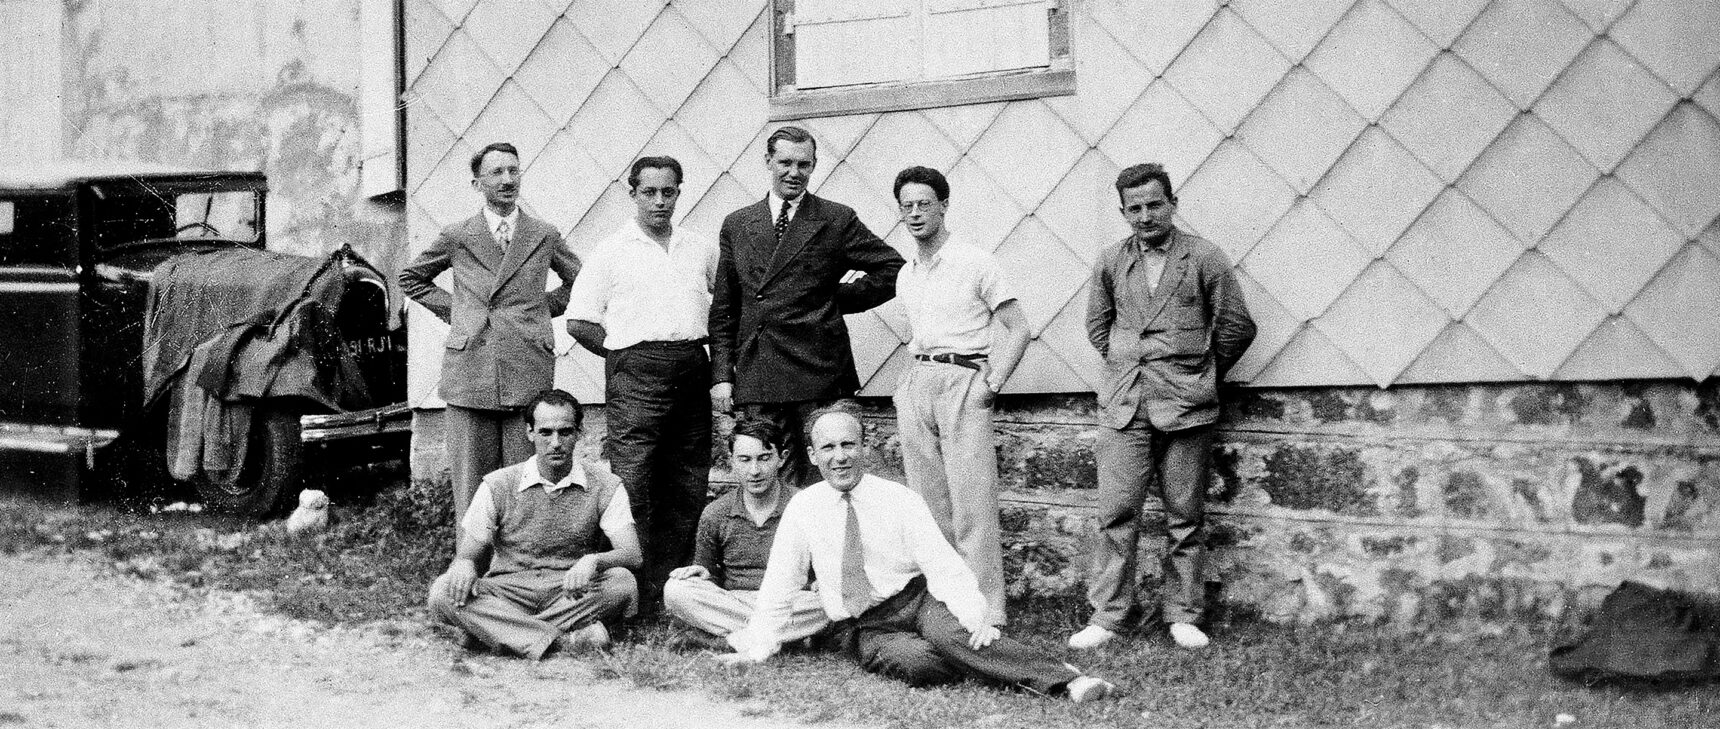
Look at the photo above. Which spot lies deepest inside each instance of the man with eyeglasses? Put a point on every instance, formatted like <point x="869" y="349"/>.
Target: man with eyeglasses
<point x="952" y="292"/>
<point x="642" y="303"/>
<point x="500" y="350"/>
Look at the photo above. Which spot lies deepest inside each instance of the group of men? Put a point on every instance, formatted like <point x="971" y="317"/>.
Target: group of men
<point x="907" y="580"/>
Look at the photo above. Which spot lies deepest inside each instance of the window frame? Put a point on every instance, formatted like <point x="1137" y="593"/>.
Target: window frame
<point x="1057" y="79"/>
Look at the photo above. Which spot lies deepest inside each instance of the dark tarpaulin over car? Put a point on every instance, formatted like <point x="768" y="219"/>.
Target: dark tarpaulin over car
<point x="227" y="328"/>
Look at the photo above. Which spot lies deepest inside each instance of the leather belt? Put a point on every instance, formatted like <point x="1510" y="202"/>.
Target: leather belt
<point x="970" y="361"/>
<point x="671" y="345"/>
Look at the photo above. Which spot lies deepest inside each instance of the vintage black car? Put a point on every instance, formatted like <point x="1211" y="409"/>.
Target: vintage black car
<point x="148" y="336"/>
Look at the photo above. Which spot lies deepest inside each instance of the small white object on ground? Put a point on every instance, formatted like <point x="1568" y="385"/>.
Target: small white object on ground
<point x="311" y="516"/>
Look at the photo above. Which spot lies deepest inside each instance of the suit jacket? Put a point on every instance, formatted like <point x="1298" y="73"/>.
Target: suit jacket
<point x="1168" y="349"/>
<point x="776" y="320"/>
<point x="500" y="350"/>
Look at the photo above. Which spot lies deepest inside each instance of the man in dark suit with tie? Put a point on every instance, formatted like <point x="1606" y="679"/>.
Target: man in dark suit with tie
<point x="779" y="347"/>
<point x="500" y="350"/>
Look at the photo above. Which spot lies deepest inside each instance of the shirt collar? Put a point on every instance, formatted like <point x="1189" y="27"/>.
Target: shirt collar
<point x="1170" y="240"/>
<point x="739" y="507"/>
<point x="776" y="205"/>
<point x="493" y="220"/>
<point x="530" y="477"/>
<point x="865" y="480"/>
<point x="634" y="231"/>
<point x="937" y="258"/>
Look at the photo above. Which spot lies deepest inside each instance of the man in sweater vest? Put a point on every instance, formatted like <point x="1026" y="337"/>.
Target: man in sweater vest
<point x="539" y="522"/>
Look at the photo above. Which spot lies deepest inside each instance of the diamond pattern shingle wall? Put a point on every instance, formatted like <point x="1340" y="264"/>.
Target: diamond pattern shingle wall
<point x="1475" y="190"/>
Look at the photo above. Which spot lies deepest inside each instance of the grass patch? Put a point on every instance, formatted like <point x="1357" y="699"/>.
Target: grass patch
<point x="375" y="564"/>
<point x="372" y="565"/>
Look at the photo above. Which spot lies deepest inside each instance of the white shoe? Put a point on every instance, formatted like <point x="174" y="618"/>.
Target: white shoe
<point x="1188" y="636"/>
<point x="1083" y="689"/>
<point x="1090" y="637"/>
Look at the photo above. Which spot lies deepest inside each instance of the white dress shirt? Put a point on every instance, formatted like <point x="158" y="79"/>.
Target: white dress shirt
<point x="950" y="300"/>
<point x="641" y="291"/>
<point x="480" y="521"/>
<point x="899" y="541"/>
<point x="495" y="222"/>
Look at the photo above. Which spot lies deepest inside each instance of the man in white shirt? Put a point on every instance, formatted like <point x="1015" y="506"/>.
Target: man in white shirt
<point x="952" y="292"/>
<point x="538" y="523"/>
<point x="910" y="606"/>
<point x="643" y="303"/>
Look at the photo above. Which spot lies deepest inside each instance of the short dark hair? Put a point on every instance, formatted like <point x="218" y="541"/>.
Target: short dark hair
<point x="478" y="159"/>
<point x="791" y="134"/>
<point x="836" y="408"/>
<point x="662" y="162"/>
<point x="1141" y="174"/>
<point x="924" y="176"/>
<point x="555" y="398"/>
<point x="759" y="429"/>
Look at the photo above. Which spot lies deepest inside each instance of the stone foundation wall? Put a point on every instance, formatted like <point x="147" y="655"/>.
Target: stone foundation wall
<point x="1410" y="506"/>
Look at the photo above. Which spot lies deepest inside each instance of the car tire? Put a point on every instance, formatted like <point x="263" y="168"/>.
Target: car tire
<point x="272" y="474"/>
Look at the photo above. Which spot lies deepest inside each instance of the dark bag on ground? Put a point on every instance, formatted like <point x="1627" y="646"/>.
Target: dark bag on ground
<point x="1643" y="633"/>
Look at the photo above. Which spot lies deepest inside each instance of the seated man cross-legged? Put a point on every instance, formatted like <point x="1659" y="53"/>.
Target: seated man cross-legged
<point x="716" y="594"/>
<point x="908" y="605"/>
<point x="539" y="522"/>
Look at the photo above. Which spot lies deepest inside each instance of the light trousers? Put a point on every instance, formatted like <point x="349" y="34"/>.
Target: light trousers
<point x="1133" y="461"/>
<point x="703" y="605"/>
<point x="949" y="451"/>
<point x="477" y="442"/>
<point x="522" y="613"/>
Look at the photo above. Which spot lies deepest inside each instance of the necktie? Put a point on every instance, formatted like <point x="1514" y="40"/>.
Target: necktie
<point x="503" y="233"/>
<point x="856" y="588"/>
<point x="782" y="222"/>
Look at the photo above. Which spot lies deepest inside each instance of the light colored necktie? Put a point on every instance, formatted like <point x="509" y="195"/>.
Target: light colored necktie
<point x="504" y="233"/>
<point x="856" y="588"/>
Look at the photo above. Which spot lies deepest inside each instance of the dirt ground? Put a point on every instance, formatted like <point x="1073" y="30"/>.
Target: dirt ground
<point x="80" y="648"/>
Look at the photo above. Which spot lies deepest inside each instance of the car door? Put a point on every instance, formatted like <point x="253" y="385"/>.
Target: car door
<point x="39" y="309"/>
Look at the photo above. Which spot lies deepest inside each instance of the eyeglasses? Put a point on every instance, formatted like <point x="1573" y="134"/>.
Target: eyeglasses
<point x="917" y="205"/>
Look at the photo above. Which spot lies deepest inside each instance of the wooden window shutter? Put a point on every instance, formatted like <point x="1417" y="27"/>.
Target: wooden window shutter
<point x="842" y="42"/>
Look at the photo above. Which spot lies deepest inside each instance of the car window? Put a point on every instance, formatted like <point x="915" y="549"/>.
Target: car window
<point x="231" y="215"/>
<point x="37" y="230"/>
<point x="119" y="219"/>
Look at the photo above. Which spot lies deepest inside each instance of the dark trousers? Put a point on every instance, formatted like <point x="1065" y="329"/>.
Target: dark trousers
<point x="1131" y="461"/>
<point x="794" y="419"/>
<point x="659" y="445"/>
<point x="913" y="637"/>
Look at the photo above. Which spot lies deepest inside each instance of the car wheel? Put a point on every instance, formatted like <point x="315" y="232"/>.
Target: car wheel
<point x="272" y="473"/>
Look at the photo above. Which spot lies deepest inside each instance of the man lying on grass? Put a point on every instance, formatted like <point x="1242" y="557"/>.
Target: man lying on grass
<point x="906" y="603"/>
